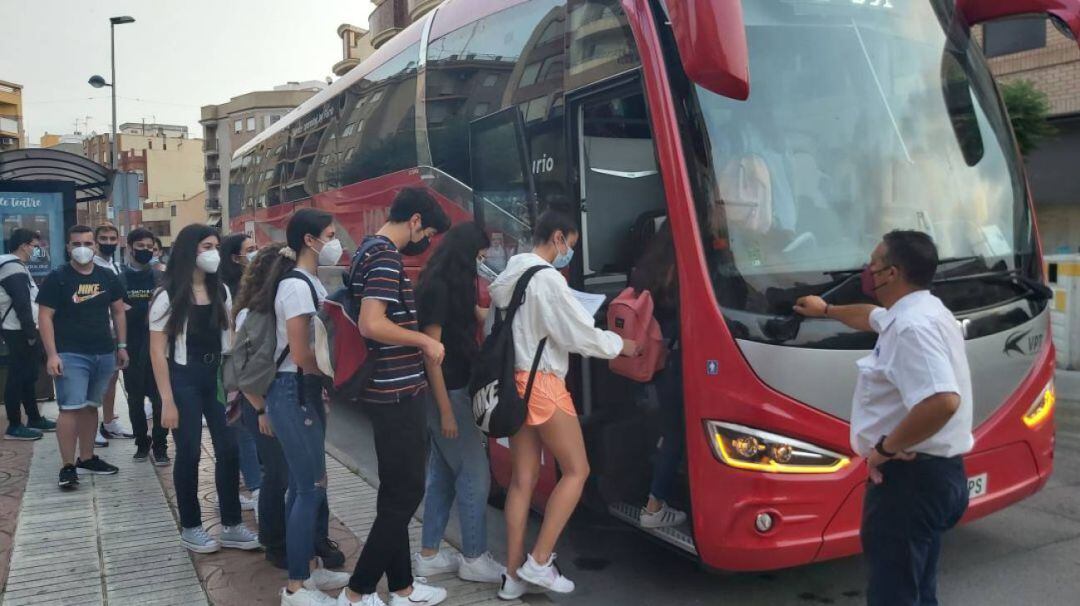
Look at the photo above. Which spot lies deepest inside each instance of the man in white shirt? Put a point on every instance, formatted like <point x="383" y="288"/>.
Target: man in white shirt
<point x="911" y="418"/>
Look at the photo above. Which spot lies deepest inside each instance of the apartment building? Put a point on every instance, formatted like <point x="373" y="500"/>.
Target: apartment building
<point x="1032" y="49"/>
<point x="12" y="131"/>
<point x="228" y="126"/>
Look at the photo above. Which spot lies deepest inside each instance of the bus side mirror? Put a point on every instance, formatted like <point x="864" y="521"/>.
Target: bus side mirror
<point x="711" y="38"/>
<point x="1064" y="13"/>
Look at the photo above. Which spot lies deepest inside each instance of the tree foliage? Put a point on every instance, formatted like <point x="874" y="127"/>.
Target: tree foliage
<point x="1028" y="108"/>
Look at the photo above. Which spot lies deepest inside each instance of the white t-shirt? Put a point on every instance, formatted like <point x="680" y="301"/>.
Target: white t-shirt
<point x="160" y="310"/>
<point x="294" y="299"/>
<point x="920" y="353"/>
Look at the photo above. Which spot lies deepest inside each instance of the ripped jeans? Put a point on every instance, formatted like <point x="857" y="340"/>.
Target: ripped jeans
<point x="299" y="428"/>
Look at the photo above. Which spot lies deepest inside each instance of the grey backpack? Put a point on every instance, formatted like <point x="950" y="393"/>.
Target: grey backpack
<point x="250" y="366"/>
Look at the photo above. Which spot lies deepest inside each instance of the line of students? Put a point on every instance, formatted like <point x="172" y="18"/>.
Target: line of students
<point x="181" y="321"/>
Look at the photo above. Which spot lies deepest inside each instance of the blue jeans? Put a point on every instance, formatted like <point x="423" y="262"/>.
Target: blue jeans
<point x="457" y="471"/>
<point x="85" y="379"/>
<point x="249" y="456"/>
<point x="194" y="388"/>
<point x="903" y="520"/>
<point x="669" y="455"/>
<point x="300" y="430"/>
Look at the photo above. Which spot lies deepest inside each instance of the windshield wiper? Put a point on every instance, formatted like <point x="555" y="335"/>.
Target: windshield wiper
<point x="1037" y="289"/>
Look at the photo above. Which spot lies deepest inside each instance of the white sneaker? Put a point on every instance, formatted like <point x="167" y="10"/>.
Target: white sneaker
<point x="513" y="589"/>
<point x="322" y="579"/>
<point x="99" y="439"/>
<point x="239" y="537"/>
<point x="422" y="595"/>
<point x="443" y="562"/>
<point x="547" y="576"/>
<point x="372" y="599"/>
<point x="666" y="517"/>
<point x="306" y="597"/>
<point x="249" y="503"/>
<point x="198" y="540"/>
<point x="116" y="431"/>
<point x="483" y="569"/>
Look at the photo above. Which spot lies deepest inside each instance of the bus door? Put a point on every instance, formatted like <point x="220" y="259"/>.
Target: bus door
<point x="621" y="202"/>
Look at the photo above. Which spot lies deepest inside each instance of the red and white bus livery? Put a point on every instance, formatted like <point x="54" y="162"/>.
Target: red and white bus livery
<point x="780" y="139"/>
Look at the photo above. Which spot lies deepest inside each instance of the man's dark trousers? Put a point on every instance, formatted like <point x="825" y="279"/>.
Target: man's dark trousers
<point x="903" y="520"/>
<point x="140" y="384"/>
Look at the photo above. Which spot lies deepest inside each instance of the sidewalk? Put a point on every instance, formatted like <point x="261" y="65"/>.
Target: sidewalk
<point x="114" y="540"/>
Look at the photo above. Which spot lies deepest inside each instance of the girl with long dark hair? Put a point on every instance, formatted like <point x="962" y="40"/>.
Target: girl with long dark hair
<point x="237" y="251"/>
<point x="457" y="469"/>
<point x="549" y="312"/>
<point x="293" y="293"/>
<point x="189" y="330"/>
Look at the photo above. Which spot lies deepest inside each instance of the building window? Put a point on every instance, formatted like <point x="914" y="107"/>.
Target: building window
<point x="251" y="124"/>
<point x="490" y="80"/>
<point x="274" y="119"/>
<point x="173" y="210"/>
<point x="238" y="126"/>
<point x="1009" y="36"/>
<point x="267" y="122"/>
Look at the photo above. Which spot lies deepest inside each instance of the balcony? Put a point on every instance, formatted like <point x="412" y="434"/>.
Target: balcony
<point x="9" y="125"/>
<point x="419" y="8"/>
<point x="387" y="20"/>
<point x="212" y="175"/>
<point x="213" y="205"/>
<point x="210" y="146"/>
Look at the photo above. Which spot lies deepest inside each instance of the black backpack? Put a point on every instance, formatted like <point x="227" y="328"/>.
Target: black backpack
<point x="498" y="410"/>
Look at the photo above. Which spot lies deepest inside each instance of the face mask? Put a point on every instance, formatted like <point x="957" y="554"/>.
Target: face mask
<point x="413" y="249"/>
<point x="107" y="250"/>
<point x="82" y="254"/>
<point x="866" y="281"/>
<point x="251" y="256"/>
<point x="37" y="253"/>
<point x="562" y="259"/>
<point x="208" y="261"/>
<point x="142" y="257"/>
<point x="330" y="253"/>
<point x="155" y="260"/>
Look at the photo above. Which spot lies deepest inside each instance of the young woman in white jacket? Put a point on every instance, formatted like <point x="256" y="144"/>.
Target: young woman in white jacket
<point x="549" y="310"/>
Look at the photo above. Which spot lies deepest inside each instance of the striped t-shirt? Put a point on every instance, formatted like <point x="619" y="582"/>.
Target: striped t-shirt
<point x="399" y="370"/>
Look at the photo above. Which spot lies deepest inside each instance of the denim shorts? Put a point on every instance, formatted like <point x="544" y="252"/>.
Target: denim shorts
<point x="85" y="379"/>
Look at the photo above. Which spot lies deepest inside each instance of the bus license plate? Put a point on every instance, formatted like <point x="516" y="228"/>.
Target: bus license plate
<point x="977" y="486"/>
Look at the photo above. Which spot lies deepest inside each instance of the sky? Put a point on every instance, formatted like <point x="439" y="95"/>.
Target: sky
<point x="178" y="55"/>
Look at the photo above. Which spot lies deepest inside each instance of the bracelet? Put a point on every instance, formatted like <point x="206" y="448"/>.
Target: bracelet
<point x="260" y="411"/>
<point x="121" y="345"/>
<point x="880" y="447"/>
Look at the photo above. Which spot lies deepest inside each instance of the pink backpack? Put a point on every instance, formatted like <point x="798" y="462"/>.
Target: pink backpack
<point x="630" y="316"/>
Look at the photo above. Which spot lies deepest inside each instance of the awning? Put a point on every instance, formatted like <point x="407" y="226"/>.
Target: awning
<point x="92" y="180"/>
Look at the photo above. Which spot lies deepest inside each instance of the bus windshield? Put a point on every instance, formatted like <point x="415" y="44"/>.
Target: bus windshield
<point x="863" y="117"/>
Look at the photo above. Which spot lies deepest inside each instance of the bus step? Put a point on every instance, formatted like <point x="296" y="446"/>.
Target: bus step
<point x="678" y="536"/>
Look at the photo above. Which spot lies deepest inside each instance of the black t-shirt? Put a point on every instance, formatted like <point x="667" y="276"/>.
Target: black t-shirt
<point x="139" y="289"/>
<point x="81" y="303"/>
<point x="203" y="337"/>
<point x="458" y="332"/>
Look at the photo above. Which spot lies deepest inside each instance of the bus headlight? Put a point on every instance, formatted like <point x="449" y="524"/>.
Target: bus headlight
<point x="747" y="448"/>
<point x="1042" y="407"/>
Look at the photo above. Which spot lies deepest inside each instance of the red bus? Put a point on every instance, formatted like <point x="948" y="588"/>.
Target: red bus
<point x="780" y="139"/>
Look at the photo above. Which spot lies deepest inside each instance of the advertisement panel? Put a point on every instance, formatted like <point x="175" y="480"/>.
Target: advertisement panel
<point x="39" y="211"/>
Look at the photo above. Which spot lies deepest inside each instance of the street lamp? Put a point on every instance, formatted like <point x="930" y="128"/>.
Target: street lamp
<point x="99" y="82"/>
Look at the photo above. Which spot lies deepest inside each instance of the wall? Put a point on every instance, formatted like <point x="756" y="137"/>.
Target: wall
<point x="176" y="172"/>
<point x="191" y="210"/>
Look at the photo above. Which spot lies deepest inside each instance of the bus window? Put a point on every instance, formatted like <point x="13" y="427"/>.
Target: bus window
<point x="601" y="43"/>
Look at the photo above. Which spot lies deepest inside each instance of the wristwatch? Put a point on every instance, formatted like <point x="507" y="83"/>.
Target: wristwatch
<point x="260" y="411"/>
<point x="121" y="345"/>
<point x="880" y="448"/>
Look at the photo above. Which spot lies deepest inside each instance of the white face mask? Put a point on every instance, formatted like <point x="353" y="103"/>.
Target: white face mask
<point x="251" y="256"/>
<point x="330" y="253"/>
<point x="208" y="261"/>
<point x="82" y="254"/>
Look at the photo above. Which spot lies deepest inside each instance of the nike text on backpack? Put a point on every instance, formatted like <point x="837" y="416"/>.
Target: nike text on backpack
<point x="350" y="357"/>
<point x="250" y="367"/>
<point x="630" y="316"/>
<point x="498" y="409"/>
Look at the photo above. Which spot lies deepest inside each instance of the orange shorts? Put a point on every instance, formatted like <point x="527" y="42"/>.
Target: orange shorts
<point x="548" y="394"/>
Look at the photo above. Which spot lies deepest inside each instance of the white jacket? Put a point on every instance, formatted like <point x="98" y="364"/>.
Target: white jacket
<point x="550" y="310"/>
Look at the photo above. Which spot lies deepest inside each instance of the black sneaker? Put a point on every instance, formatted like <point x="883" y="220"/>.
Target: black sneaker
<point x="331" y="555"/>
<point x="277" y="558"/>
<point x="69" y="478"/>
<point x="141" y="454"/>
<point x="160" y="458"/>
<point x="95" y="466"/>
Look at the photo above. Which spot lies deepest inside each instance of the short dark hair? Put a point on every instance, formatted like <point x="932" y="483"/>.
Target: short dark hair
<point x="914" y="253"/>
<point x="139" y="233"/>
<point x="416" y="200"/>
<point x="104" y="227"/>
<point x="78" y="229"/>
<point x="550" y="222"/>
<point x="20" y="236"/>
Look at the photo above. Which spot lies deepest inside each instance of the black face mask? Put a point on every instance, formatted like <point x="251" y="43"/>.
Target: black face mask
<point x="107" y="250"/>
<point x="416" y="248"/>
<point x="142" y="257"/>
